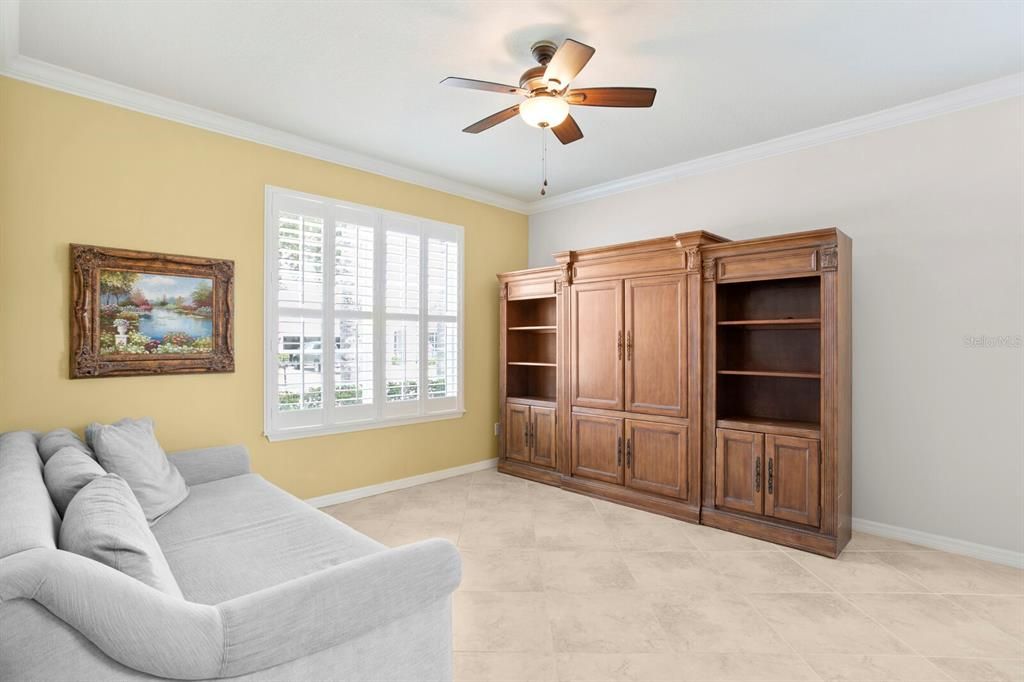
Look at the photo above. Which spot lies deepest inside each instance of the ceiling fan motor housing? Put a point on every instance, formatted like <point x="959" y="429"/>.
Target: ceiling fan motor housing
<point x="543" y="51"/>
<point x="533" y="79"/>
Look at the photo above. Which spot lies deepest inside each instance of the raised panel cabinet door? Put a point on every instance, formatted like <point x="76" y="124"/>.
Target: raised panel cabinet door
<point x="739" y="471"/>
<point x="597" y="447"/>
<point x="656" y="376"/>
<point x="656" y="458"/>
<point x="542" y="436"/>
<point x="598" y="344"/>
<point x="517" y="433"/>
<point x="792" y="487"/>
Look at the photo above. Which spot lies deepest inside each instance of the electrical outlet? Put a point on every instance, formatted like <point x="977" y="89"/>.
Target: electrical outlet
<point x="497" y="427"/>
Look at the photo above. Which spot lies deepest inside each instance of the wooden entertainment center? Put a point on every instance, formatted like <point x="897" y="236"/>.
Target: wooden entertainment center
<point x="700" y="378"/>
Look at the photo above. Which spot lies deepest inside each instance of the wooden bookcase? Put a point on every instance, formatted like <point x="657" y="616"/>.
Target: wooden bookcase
<point x="691" y="376"/>
<point x="530" y="363"/>
<point x="777" y="389"/>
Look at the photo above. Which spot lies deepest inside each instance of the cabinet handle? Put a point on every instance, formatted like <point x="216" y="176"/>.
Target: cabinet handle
<point x="618" y="453"/>
<point x="619" y="344"/>
<point x="629" y="345"/>
<point x="629" y="453"/>
<point x="770" y="476"/>
<point x="526" y="434"/>
<point x="757" y="475"/>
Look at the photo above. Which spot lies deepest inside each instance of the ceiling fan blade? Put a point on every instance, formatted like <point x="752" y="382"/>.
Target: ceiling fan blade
<point x="567" y="62"/>
<point x="568" y="131"/>
<point x="612" y="97"/>
<point x="492" y="120"/>
<point x="471" y="84"/>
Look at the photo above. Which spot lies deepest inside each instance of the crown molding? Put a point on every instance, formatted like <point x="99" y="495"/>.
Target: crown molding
<point x="20" y="67"/>
<point x="955" y="100"/>
<point x="58" y="78"/>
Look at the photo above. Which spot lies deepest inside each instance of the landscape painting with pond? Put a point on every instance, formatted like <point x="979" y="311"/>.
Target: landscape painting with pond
<point x="155" y="314"/>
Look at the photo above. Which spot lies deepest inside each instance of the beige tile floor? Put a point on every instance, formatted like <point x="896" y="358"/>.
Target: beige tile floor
<point x="558" y="586"/>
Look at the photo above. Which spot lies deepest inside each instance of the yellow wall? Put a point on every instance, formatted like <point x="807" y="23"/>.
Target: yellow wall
<point x="75" y="170"/>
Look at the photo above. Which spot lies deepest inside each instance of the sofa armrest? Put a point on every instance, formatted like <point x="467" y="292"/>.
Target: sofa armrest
<point x="152" y="632"/>
<point x="317" y="611"/>
<point x="126" y="619"/>
<point x="211" y="464"/>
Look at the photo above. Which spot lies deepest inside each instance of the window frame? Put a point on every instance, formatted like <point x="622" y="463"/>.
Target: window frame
<point x="277" y="428"/>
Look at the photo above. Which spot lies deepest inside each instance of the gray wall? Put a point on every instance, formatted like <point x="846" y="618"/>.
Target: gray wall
<point x="936" y="212"/>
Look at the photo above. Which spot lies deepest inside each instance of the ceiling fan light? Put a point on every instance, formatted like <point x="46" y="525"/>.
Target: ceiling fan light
<point x="544" y="110"/>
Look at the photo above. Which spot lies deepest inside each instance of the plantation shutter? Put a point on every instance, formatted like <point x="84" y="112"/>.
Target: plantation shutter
<point x="299" y="289"/>
<point x="363" y="317"/>
<point x="442" y="320"/>
<point x="402" y="303"/>
<point x="354" y="296"/>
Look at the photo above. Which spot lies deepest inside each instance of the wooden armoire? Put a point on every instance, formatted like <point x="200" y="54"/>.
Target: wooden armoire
<point x="691" y="376"/>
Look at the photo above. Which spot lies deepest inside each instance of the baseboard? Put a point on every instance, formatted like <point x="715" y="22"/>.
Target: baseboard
<point x="996" y="555"/>
<point x="389" y="486"/>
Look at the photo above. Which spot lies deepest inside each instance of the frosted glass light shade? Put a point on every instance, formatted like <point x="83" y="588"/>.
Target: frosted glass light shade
<point x="544" y="110"/>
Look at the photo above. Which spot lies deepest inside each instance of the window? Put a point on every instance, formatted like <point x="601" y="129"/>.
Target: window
<point x="363" y="317"/>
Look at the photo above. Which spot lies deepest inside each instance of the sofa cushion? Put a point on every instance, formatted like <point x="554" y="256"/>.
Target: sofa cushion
<point x="104" y="522"/>
<point x="28" y="518"/>
<point x="129" y="449"/>
<point x="67" y="472"/>
<point x="241" y="534"/>
<point x="53" y="442"/>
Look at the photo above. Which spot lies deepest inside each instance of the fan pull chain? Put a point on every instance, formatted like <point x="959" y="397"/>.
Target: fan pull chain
<point x="543" y="161"/>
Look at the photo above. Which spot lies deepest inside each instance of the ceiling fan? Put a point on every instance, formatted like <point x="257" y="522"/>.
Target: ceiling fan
<point x="547" y="93"/>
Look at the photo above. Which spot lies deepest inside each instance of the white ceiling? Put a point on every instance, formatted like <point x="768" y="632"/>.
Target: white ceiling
<point x="364" y="76"/>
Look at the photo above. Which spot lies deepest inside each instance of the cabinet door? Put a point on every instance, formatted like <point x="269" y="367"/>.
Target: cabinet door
<point x="597" y="447"/>
<point x="517" y="424"/>
<point x="656" y="458"/>
<point x="597" y="345"/>
<point x="656" y="375"/>
<point x="792" y="489"/>
<point x="739" y="476"/>
<point x="542" y="436"/>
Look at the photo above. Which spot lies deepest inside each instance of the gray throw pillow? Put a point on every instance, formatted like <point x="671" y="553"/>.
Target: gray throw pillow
<point x="104" y="522"/>
<point x="129" y="449"/>
<point x="92" y="429"/>
<point x="58" y="439"/>
<point x="67" y="472"/>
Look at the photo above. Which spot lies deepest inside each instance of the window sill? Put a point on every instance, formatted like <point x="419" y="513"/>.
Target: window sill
<point x="331" y="429"/>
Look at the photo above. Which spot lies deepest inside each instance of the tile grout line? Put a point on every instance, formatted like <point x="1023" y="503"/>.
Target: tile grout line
<point x="925" y="588"/>
<point x="938" y="592"/>
<point x="892" y="634"/>
<point x="843" y="597"/>
<point x="799" y="655"/>
<point x="760" y="613"/>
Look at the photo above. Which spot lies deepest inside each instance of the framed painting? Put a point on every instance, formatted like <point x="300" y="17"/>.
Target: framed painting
<point x="137" y="313"/>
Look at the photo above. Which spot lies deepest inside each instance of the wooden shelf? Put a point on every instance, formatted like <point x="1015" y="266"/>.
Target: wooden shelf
<point x="784" y="322"/>
<point x="777" y="426"/>
<point x="761" y="373"/>
<point x="544" y="329"/>
<point x="533" y="364"/>
<point x="546" y="400"/>
<point x="531" y="312"/>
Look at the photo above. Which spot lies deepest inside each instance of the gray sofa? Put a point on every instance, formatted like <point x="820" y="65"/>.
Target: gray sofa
<point x="274" y="589"/>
